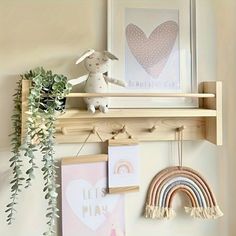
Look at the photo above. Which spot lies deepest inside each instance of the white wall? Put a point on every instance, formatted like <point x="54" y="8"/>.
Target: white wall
<point x="53" y="33"/>
<point x="226" y="71"/>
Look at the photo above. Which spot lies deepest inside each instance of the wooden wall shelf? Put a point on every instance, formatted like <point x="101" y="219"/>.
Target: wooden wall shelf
<point x="158" y="124"/>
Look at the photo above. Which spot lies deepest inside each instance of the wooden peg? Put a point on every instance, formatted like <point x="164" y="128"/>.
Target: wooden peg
<point x="154" y="127"/>
<point x="181" y="128"/>
<point x="94" y="130"/>
<point x="64" y="131"/>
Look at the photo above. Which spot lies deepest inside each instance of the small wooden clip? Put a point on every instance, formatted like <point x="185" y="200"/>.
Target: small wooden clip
<point x="154" y="127"/>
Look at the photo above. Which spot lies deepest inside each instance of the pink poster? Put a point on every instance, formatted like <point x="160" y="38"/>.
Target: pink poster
<point x="87" y="209"/>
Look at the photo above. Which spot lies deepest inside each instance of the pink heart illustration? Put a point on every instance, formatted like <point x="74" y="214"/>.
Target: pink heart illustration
<point x="152" y="52"/>
<point x="91" y="209"/>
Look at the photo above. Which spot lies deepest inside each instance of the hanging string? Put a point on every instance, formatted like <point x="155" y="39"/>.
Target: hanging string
<point x="121" y="131"/>
<point x="85" y="141"/>
<point x="99" y="136"/>
<point x="93" y="131"/>
<point x="180" y="146"/>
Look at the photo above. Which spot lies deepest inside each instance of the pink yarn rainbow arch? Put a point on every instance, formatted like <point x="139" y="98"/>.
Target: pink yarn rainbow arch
<point x="171" y="180"/>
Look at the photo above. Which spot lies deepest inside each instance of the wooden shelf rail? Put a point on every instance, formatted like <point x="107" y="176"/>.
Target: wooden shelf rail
<point x="161" y="95"/>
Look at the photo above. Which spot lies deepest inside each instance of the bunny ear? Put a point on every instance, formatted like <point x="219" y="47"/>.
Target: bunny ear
<point x="85" y="55"/>
<point x="110" y="55"/>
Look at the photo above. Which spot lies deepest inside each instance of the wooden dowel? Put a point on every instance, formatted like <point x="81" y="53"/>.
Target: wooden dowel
<point x="184" y="95"/>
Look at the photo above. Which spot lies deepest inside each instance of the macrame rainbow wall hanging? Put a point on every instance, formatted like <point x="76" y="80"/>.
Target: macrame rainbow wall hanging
<point x="171" y="180"/>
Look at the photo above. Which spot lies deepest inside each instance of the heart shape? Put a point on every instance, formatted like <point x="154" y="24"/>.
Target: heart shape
<point x="152" y="52"/>
<point x="89" y="203"/>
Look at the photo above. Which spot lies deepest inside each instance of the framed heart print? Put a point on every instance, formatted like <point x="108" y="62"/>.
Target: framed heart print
<point x="87" y="208"/>
<point x="155" y="43"/>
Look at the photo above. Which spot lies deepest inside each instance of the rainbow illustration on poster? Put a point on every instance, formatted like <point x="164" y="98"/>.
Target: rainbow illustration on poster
<point x="122" y="167"/>
<point x="171" y="180"/>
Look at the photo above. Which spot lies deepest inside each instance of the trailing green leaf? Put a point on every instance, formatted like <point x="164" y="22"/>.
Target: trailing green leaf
<point x="30" y="142"/>
<point x="49" y="173"/>
<point x="15" y="160"/>
<point x="46" y="97"/>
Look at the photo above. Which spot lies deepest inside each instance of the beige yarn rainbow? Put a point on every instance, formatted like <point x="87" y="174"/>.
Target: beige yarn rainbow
<point x="171" y="180"/>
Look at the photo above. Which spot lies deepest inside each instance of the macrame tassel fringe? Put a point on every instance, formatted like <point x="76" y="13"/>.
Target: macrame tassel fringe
<point x="155" y="212"/>
<point x="204" y="213"/>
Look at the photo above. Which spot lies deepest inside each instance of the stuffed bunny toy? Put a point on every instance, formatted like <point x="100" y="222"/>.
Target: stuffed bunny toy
<point x="96" y="82"/>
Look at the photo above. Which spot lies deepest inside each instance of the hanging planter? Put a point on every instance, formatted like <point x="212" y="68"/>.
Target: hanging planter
<point x="46" y="98"/>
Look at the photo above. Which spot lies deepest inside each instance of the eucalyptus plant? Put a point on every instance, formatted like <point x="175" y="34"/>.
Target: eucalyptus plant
<point x="46" y="99"/>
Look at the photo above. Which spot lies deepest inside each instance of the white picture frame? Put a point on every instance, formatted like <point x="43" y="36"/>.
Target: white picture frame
<point x="148" y="61"/>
